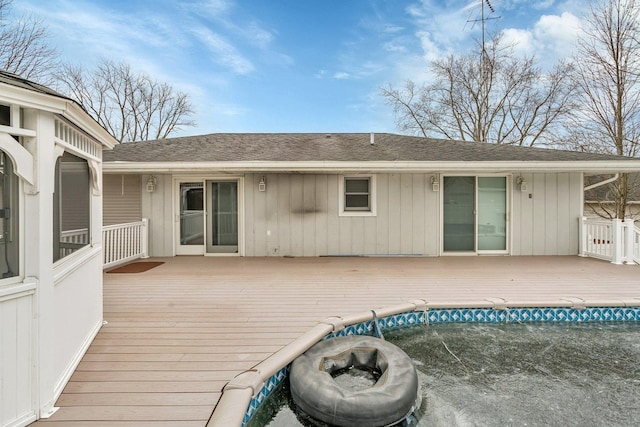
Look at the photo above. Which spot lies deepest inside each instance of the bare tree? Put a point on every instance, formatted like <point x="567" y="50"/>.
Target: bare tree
<point x="488" y="95"/>
<point x="131" y="106"/>
<point x="607" y="74"/>
<point x="24" y="47"/>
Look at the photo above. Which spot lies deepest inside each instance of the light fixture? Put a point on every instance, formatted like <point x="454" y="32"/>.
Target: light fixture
<point x="262" y="185"/>
<point x="435" y="184"/>
<point x="523" y="184"/>
<point x="151" y="184"/>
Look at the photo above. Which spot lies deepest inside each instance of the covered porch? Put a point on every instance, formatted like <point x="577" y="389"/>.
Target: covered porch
<point x="176" y="334"/>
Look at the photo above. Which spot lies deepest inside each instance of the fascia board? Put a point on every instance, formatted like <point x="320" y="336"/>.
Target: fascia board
<point x="369" y="167"/>
<point x="79" y="117"/>
<point x="30" y="99"/>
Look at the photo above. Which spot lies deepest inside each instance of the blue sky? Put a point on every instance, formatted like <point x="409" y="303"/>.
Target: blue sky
<point x="293" y="65"/>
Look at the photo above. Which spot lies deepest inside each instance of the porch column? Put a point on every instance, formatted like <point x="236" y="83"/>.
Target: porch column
<point x="628" y="240"/>
<point x="617" y="245"/>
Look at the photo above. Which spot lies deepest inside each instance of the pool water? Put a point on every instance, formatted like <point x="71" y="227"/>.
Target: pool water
<point x="535" y="374"/>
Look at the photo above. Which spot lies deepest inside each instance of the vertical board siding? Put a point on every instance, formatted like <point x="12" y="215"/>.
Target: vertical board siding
<point x="305" y="220"/>
<point x="382" y="223"/>
<point x="309" y="213"/>
<point x="158" y="207"/>
<point x="298" y="215"/>
<point x="322" y="216"/>
<point x="418" y="214"/>
<point x="563" y="234"/>
<point x="406" y="214"/>
<point x="551" y="214"/>
<point x="121" y="199"/>
<point x="547" y="223"/>
<point x="395" y="211"/>
<point x="15" y="358"/>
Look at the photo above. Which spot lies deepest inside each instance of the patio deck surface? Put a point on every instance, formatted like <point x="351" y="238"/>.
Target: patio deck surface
<point x="178" y="333"/>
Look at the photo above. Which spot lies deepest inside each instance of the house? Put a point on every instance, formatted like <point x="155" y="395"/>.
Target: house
<point x="350" y="195"/>
<point x="50" y="244"/>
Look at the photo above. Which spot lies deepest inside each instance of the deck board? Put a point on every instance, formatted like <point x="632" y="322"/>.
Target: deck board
<point x="177" y="333"/>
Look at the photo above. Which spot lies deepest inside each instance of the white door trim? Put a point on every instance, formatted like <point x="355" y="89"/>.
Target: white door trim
<point x="509" y="225"/>
<point x="201" y="249"/>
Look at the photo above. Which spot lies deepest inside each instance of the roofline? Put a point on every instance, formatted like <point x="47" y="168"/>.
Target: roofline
<point x="64" y="106"/>
<point x="595" y="166"/>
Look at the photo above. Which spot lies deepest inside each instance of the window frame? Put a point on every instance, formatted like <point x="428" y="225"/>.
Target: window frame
<point x="16" y="223"/>
<point x="58" y="202"/>
<point x="343" y="209"/>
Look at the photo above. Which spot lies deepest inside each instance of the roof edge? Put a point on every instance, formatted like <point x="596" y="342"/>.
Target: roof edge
<point x="594" y="166"/>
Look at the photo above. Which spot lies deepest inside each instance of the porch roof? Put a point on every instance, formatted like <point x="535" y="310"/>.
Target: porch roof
<point x="26" y="93"/>
<point x="297" y="151"/>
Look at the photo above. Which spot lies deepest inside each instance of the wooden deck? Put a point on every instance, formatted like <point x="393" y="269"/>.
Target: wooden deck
<point x="177" y="333"/>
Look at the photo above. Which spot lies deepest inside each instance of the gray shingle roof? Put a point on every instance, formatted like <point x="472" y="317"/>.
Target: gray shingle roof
<point x="297" y="147"/>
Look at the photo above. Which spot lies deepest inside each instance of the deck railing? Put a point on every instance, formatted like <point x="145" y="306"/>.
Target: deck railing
<point x="125" y="242"/>
<point x="72" y="240"/>
<point x="611" y="240"/>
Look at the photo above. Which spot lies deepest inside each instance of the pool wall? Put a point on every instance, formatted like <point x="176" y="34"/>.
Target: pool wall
<point x="243" y="395"/>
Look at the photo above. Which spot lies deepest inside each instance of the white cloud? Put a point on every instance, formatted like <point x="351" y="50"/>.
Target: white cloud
<point x="558" y="33"/>
<point x="225" y="52"/>
<point x="430" y="49"/>
<point x="394" y="46"/>
<point x="341" y="75"/>
<point x="521" y="40"/>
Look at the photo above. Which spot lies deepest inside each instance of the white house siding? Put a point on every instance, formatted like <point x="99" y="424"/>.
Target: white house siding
<point x="122" y="199"/>
<point x="298" y="216"/>
<point x="547" y="223"/>
<point x="16" y="324"/>
<point x="158" y="208"/>
<point x="78" y="310"/>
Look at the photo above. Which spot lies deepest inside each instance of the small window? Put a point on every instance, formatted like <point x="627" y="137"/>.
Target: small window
<point x="357" y="196"/>
<point x="9" y="227"/>
<point x="71" y="206"/>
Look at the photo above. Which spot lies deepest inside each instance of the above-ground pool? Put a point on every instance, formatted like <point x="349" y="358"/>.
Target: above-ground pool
<point x="510" y="374"/>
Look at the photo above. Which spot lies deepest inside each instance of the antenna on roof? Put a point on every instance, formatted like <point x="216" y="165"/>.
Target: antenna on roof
<point x="482" y="19"/>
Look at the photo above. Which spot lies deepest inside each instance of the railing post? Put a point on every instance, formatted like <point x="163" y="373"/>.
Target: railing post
<point x="582" y="230"/>
<point x="617" y="244"/>
<point x="144" y="238"/>
<point x="628" y="240"/>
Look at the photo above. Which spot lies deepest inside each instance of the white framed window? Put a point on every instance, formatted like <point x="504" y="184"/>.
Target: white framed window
<point x="357" y="195"/>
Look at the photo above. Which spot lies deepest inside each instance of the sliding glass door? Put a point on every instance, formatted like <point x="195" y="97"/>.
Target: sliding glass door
<point x="475" y="214"/>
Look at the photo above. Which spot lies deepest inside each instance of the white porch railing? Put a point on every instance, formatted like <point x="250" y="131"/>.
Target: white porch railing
<point x="611" y="240"/>
<point x="125" y="242"/>
<point x="72" y="240"/>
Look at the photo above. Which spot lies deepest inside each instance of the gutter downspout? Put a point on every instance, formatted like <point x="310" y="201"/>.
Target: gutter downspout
<point x="601" y="183"/>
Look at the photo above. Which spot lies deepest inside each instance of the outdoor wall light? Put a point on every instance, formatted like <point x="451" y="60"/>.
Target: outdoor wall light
<point x="262" y="185"/>
<point x="151" y="184"/>
<point x="435" y="184"/>
<point x="523" y="184"/>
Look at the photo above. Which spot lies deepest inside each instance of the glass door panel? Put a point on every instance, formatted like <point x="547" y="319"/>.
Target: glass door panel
<point x="222" y="222"/>
<point x="492" y="213"/>
<point x="191" y="214"/>
<point x="459" y="214"/>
